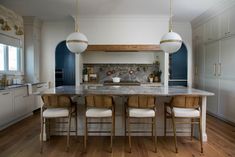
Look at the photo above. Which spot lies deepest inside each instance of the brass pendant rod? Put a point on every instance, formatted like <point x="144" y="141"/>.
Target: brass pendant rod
<point x="76" y="17"/>
<point x="170" y="21"/>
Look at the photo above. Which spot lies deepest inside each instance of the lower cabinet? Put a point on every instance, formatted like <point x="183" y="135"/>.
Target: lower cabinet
<point x="20" y="105"/>
<point x="6" y="108"/>
<point x="226" y="100"/>
<point x="16" y="103"/>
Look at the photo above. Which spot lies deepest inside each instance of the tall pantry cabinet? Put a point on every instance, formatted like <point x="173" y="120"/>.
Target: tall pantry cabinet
<point x="214" y="61"/>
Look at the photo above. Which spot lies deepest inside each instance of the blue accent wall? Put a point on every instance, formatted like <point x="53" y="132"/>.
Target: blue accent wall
<point x="179" y="66"/>
<point x="65" y="63"/>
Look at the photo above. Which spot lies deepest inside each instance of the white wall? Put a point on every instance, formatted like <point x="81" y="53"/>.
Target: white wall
<point x="185" y="31"/>
<point x="121" y="57"/>
<point x="52" y="34"/>
<point x="107" y="31"/>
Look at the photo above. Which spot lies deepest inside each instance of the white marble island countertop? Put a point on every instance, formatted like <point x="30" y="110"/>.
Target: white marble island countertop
<point x="126" y="90"/>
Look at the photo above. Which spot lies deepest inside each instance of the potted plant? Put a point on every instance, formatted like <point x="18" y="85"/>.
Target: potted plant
<point x="85" y="75"/>
<point x="157" y="76"/>
<point x="151" y="77"/>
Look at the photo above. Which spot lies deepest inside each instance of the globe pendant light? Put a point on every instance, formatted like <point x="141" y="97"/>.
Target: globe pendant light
<point x="170" y="42"/>
<point x="77" y="42"/>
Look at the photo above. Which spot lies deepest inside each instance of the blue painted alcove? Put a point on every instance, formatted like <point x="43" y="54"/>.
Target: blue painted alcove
<point x="178" y="69"/>
<point x="64" y="65"/>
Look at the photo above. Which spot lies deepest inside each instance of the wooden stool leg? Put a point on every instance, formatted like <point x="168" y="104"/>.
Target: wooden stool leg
<point x="112" y="132"/>
<point x="85" y="134"/>
<point x="41" y="136"/>
<point x="76" y="123"/>
<point x="174" y="130"/>
<point x="192" y="128"/>
<point x="200" y="132"/>
<point x="165" y="121"/>
<point x="68" y="133"/>
<point x="152" y="127"/>
<point x="155" y="132"/>
<point x="125" y="121"/>
<point x="129" y="132"/>
<point x="49" y="128"/>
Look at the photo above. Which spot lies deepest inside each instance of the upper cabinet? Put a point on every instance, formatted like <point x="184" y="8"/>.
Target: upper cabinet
<point x="227" y="22"/>
<point x="211" y="30"/>
<point x="198" y="35"/>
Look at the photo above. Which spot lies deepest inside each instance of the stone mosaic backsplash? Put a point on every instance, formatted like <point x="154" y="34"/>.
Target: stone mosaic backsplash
<point x="127" y="72"/>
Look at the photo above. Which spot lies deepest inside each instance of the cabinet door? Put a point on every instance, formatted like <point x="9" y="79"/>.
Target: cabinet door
<point x="20" y="106"/>
<point x="30" y="101"/>
<point x="226" y="67"/>
<point x="215" y="28"/>
<point x="231" y="21"/>
<point x="224" y="22"/>
<point x="211" y="59"/>
<point x="211" y="30"/>
<point x="6" y="105"/>
<point x="227" y="79"/>
<point x="226" y="100"/>
<point x="211" y="78"/>
<point x="207" y="32"/>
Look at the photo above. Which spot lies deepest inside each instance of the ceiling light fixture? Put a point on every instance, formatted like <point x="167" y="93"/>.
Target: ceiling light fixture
<point x="76" y="42"/>
<point x="5" y="26"/>
<point x="170" y="42"/>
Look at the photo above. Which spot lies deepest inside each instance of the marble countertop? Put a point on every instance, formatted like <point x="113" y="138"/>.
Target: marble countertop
<point x="126" y="90"/>
<point x="19" y="86"/>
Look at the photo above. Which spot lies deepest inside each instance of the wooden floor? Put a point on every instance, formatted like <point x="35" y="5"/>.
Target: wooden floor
<point x="22" y="140"/>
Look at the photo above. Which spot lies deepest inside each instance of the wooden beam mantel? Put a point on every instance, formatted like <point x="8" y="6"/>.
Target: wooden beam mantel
<point x="123" y="48"/>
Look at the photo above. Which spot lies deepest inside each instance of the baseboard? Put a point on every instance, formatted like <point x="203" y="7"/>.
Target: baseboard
<point x="15" y="121"/>
<point x="221" y="118"/>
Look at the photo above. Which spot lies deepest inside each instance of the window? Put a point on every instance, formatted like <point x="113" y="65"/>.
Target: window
<point x="10" y="58"/>
<point x="2" y="57"/>
<point x="13" y="61"/>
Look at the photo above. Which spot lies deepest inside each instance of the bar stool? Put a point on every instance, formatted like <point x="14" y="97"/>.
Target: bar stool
<point x="184" y="107"/>
<point x="97" y="107"/>
<point x="141" y="106"/>
<point x="58" y="106"/>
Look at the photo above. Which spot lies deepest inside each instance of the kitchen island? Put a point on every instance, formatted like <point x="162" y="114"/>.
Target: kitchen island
<point x="162" y="94"/>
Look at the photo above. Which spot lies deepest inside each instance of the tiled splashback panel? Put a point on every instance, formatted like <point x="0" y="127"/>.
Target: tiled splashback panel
<point x="127" y="72"/>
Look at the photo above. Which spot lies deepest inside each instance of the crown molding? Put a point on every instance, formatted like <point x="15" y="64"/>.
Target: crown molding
<point x="212" y="12"/>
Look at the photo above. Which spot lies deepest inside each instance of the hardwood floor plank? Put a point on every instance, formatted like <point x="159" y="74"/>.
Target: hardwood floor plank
<point x="22" y="140"/>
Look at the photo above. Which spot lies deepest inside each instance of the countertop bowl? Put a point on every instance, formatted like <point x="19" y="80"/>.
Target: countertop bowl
<point x="116" y="79"/>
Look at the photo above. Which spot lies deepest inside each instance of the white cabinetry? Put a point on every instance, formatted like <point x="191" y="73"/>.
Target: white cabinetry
<point x="219" y="77"/>
<point x="215" y="63"/>
<point x="6" y="108"/>
<point x="211" y="75"/>
<point x="211" y="30"/>
<point x="227" y="22"/>
<point x="227" y="79"/>
<point x="20" y="105"/>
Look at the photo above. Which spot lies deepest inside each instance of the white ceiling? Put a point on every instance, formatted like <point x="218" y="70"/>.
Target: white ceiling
<point x="183" y="10"/>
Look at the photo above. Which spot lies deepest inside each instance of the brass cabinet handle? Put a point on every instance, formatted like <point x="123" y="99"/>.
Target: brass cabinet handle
<point x="196" y="70"/>
<point x="215" y="69"/>
<point x="219" y="69"/>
